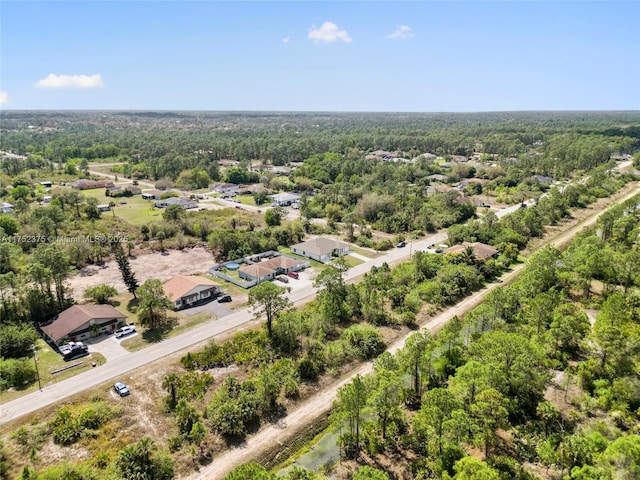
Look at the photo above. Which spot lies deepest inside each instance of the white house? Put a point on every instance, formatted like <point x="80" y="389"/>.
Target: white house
<point x="321" y="249"/>
<point x="224" y="187"/>
<point x="285" y="199"/>
<point x="6" y="207"/>
<point x="184" y="202"/>
<point x="184" y="291"/>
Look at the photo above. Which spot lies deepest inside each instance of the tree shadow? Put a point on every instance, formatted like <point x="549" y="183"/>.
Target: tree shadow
<point x="132" y="304"/>
<point x="155" y="335"/>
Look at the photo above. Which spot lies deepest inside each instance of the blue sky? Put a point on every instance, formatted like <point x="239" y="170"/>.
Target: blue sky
<point x="320" y="56"/>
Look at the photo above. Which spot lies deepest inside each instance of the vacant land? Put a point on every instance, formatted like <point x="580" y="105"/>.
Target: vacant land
<point x="190" y="261"/>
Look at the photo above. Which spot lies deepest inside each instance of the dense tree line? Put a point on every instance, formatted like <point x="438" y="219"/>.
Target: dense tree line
<point x="168" y="143"/>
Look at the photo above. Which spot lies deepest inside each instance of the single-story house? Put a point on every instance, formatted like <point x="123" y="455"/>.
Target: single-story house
<point x="543" y="179"/>
<point x="253" y="188"/>
<point x="321" y="249"/>
<point x="482" y="251"/>
<point x="6" y="207"/>
<point x="152" y="195"/>
<point x="186" y="290"/>
<point x="270" y="268"/>
<point x="257" y="271"/>
<point x="85" y="184"/>
<point x="437" y="177"/>
<point x="184" y="202"/>
<point x="123" y="190"/>
<point x="103" y="208"/>
<point x="281" y="170"/>
<point x="285" y="199"/>
<point x="47" y="184"/>
<point x="225" y="162"/>
<point x="224" y="187"/>
<point x="83" y="321"/>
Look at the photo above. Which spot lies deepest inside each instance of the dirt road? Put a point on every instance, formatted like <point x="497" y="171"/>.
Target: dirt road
<point x="270" y="440"/>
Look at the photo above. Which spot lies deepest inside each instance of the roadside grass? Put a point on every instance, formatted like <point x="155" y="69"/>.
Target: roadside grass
<point x="352" y="261"/>
<point x="182" y="324"/>
<point x="364" y="252"/>
<point x="49" y="361"/>
<point x="246" y="200"/>
<point x="136" y="211"/>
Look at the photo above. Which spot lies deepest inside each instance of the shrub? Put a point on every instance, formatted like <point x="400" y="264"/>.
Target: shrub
<point x="365" y="340"/>
<point x="16" y="373"/>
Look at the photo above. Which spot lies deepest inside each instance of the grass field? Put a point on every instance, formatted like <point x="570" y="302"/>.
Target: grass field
<point x="135" y="211"/>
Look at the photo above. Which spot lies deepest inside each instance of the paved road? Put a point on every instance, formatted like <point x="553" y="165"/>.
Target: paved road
<point x="110" y="370"/>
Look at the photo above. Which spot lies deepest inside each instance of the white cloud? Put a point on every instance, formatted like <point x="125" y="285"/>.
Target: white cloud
<point x="328" y="32"/>
<point x="286" y="39"/>
<point x="4" y="97"/>
<point x="71" y="81"/>
<point x="401" y="33"/>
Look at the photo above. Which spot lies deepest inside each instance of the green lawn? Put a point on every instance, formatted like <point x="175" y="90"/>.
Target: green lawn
<point x="48" y="361"/>
<point x="148" y="337"/>
<point x="246" y="199"/>
<point x="352" y="261"/>
<point x="135" y="211"/>
<point x="363" y="252"/>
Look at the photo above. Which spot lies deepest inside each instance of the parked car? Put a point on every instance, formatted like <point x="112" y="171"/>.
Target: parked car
<point x="401" y="244"/>
<point x="121" y="389"/>
<point x="224" y="298"/>
<point x="439" y="250"/>
<point x="124" y="331"/>
<point x="282" y="278"/>
<point x="73" y="350"/>
<point x="293" y="275"/>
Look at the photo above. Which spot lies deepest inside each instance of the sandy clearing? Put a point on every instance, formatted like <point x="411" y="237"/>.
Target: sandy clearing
<point x="189" y="261"/>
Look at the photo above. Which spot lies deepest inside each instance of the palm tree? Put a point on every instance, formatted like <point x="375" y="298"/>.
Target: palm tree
<point x="170" y="384"/>
<point x="160" y="237"/>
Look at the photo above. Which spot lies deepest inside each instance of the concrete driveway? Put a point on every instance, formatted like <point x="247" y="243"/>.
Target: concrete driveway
<point x="109" y="346"/>
<point x="217" y="309"/>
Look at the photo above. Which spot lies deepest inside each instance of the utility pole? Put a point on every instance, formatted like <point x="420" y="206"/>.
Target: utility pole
<point x="35" y="360"/>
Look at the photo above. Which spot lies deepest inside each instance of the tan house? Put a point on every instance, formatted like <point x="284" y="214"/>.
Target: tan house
<point x="321" y="249"/>
<point x="269" y="269"/>
<point x="482" y="251"/>
<point x="85" y="184"/>
<point x="80" y="322"/>
<point x="186" y="290"/>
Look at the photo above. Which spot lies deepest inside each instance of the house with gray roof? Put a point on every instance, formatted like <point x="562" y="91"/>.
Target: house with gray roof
<point x="321" y="249"/>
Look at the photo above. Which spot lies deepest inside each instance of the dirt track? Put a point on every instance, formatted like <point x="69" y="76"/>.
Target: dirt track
<point x="266" y="443"/>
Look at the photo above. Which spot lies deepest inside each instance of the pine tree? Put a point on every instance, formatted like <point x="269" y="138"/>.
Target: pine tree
<point x="128" y="277"/>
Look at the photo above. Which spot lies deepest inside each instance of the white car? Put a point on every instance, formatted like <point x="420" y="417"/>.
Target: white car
<point x="124" y="331"/>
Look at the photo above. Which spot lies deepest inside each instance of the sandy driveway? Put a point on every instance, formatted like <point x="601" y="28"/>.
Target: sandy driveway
<point x="190" y="261"/>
